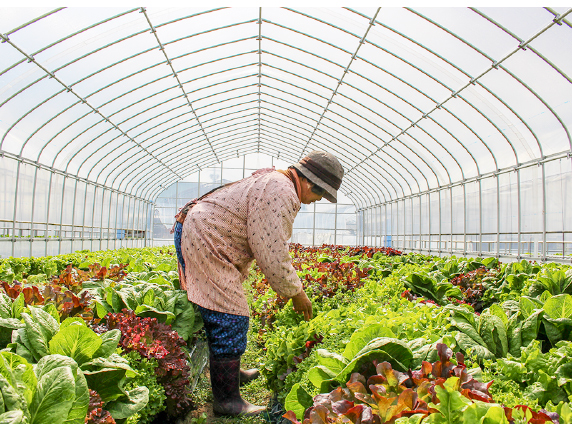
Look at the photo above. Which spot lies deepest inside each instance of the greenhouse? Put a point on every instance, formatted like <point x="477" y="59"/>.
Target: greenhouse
<point x="436" y="264"/>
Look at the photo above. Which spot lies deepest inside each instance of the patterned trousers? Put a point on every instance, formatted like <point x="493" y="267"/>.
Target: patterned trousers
<point x="226" y="333"/>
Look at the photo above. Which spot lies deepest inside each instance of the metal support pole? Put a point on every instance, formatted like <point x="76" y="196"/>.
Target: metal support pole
<point x="111" y="193"/>
<point x="73" y="214"/>
<point x="451" y="211"/>
<point x="115" y="241"/>
<point x="61" y="215"/>
<point x="93" y="217"/>
<point x="46" y="236"/>
<point x="464" y="219"/>
<point x="519" y="212"/>
<point x="543" y="253"/>
<point x="428" y="222"/>
<point x="101" y="219"/>
<point x="440" y="223"/>
<point x="126" y="220"/>
<point x="336" y="224"/>
<point x="480" y="249"/>
<point x="84" y="222"/>
<point x="15" y="208"/>
<point x="498" y="215"/>
<point x="33" y="210"/>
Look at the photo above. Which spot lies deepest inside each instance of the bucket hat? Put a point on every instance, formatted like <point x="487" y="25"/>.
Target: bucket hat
<point x="324" y="170"/>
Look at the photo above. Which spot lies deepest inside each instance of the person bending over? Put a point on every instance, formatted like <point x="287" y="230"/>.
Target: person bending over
<point x="219" y="235"/>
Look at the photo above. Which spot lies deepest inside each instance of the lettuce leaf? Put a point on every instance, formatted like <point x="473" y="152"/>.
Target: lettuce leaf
<point x="54" y="396"/>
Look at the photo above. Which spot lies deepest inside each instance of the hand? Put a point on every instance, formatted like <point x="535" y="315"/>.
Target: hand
<point x="302" y="305"/>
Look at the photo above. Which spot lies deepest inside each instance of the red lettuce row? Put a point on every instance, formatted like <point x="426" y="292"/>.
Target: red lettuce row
<point x="443" y="391"/>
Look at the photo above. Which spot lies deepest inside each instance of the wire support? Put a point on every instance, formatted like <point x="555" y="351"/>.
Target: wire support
<point x="361" y="42"/>
<point x="68" y="89"/>
<point x="176" y="75"/>
<point x="494" y="66"/>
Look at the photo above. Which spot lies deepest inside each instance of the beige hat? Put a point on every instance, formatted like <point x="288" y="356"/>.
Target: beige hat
<point x="324" y="170"/>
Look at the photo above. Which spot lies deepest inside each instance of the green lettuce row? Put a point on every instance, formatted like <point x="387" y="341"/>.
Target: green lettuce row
<point x="41" y="335"/>
<point x="145" y="299"/>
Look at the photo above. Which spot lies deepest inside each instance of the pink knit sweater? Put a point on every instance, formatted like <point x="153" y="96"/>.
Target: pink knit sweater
<point x="227" y="230"/>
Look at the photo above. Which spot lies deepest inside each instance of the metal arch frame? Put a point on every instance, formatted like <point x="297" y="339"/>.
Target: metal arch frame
<point x="495" y="65"/>
<point x="404" y="132"/>
<point x="346" y="69"/>
<point x="526" y="45"/>
<point x="390" y="166"/>
<point x="412" y="124"/>
<point x="453" y="65"/>
<point x="121" y="61"/>
<point x="382" y="149"/>
<point x="473" y="80"/>
<point x="82" y="100"/>
<point x="389" y="134"/>
<point x="433" y="100"/>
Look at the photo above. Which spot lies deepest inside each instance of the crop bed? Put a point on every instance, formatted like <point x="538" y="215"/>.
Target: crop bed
<point x="103" y="337"/>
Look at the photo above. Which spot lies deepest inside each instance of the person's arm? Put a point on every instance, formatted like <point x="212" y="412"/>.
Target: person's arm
<point x="269" y="226"/>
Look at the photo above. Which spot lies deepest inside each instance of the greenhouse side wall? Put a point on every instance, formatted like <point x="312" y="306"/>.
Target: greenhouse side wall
<point x="47" y="212"/>
<point x="518" y="213"/>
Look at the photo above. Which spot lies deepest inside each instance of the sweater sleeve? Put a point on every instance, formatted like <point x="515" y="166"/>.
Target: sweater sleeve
<point x="272" y="208"/>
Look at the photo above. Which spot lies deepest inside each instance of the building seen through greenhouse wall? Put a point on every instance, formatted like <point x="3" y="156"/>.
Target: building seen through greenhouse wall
<point x="453" y="124"/>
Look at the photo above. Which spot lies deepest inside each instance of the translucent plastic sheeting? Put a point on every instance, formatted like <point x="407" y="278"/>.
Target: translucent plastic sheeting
<point x="409" y="99"/>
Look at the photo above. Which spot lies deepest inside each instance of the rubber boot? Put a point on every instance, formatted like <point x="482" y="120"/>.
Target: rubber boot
<point x="248" y="375"/>
<point x="225" y="383"/>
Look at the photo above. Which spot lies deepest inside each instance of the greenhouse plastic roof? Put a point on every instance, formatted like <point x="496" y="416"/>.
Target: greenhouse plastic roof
<point x="409" y="99"/>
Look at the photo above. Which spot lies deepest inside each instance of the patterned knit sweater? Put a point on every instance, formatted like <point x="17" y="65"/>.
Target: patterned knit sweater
<point x="227" y="230"/>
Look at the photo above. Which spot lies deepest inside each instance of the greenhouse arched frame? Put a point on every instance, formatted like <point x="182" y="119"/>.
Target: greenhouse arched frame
<point x="453" y="124"/>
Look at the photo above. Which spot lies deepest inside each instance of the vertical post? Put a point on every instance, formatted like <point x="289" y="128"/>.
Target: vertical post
<point x="61" y="214"/>
<point x="335" y="224"/>
<point x="544" y="212"/>
<point x="464" y="218"/>
<point x="124" y="224"/>
<point x="519" y="212"/>
<point x="440" y="225"/>
<point x="83" y="237"/>
<point x="135" y="216"/>
<point x="480" y="251"/>
<point x="103" y="190"/>
<point x="46" y="237"/>
<point x="73" y="214"/>
<point x="428" y="223"/>
<point x="126" y="227"/>
<point x="93" y="216"/>
<point x="451" y="209"/>
<point x="314" y="227"/>
<point x="498" y="215"/>
<point x="111" y="193"/>
<point x="116" y="220"/>
<point x="15" y="207"/>
<point x="33" y="209"/>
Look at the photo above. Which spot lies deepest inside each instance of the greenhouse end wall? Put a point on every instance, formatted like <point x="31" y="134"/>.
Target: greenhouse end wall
<point x="46" y="212"/>
<point x="519" y="213"/>
<point x="316" y="224"/>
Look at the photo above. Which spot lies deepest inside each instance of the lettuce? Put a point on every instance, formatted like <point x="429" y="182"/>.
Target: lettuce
<point x="53" y="391"/>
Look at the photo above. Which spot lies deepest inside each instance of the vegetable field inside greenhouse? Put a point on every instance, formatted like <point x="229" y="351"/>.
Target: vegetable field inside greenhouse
<point x="285" y="215"/>
<point x="101" y="337"/>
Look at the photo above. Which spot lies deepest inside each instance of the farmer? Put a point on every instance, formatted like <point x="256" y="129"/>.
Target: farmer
<point x="219" y="235"/>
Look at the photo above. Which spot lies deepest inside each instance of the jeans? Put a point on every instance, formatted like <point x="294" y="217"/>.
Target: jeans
<point x="178" y="234"/>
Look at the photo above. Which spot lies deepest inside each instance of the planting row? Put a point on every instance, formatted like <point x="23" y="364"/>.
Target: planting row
<point x="394" y="338"/>
<point x="97" y="338"/>
<point x="413" y="338"/>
